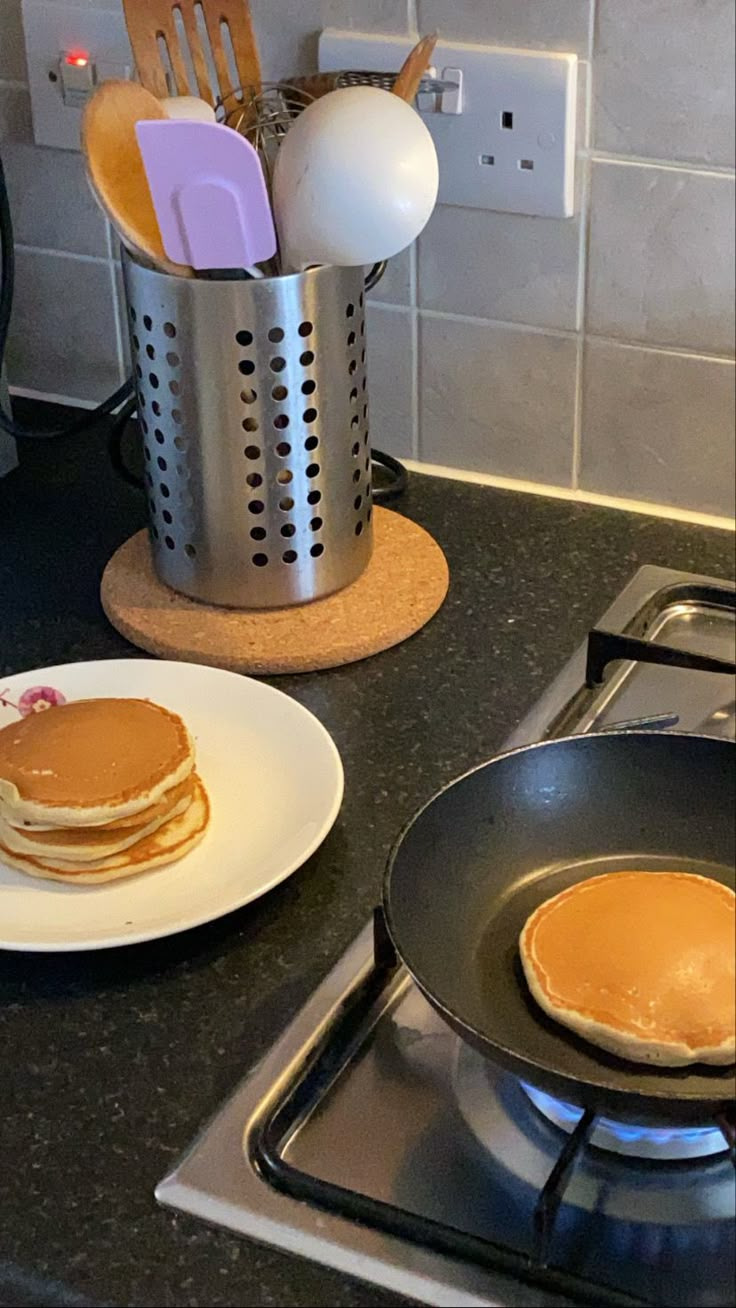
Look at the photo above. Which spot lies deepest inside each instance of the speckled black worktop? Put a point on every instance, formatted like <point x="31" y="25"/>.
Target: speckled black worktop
<point x="110" y="1063"/>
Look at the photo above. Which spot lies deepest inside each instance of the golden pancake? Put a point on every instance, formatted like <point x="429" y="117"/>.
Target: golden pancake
<point x="82" y="844"/>
<point x="640" y="963"/>
<point x="92" y="761"/>
<point x="171" y="842"/>
<point x="163" y="808"/>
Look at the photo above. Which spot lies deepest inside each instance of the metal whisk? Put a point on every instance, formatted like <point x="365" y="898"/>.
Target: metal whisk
<point x="264" y="116"/>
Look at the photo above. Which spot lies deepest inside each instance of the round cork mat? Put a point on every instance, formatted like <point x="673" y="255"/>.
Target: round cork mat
<point x="403" y="586"/>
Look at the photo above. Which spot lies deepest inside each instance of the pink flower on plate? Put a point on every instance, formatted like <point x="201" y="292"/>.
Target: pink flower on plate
<point x="38" y="699"/>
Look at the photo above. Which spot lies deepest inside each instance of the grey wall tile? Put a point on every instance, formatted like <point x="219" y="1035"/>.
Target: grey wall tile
<point x="288" y="32"/>
<point x="661" y="258"/>
<point x="658" y="427"/>
<point x="366" y="15"/>
<point x="391" y="366"/>
<point x="497" y="400"/>
<point x="664" y="81"/>
<point x="12" y="45"/>
<point x="395" y="285"/>
<point x="497" y="265"/>
<point x="528" y="24"/>
<point x="76" y="352"/>
<point x="15" y="114"/>
<point x="51" y="203"/>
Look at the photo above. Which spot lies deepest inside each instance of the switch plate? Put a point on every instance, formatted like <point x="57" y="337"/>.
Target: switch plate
<point x="50" y="30"/>
<point x="512" y="146"/>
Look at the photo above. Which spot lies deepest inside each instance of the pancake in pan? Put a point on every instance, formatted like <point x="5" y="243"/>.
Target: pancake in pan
<point x="639" y="963"/>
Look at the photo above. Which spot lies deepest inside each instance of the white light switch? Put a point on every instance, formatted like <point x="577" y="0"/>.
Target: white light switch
<point x="508" y="142"/>
<point x="77" y="77"/>
<point x="54" y="35"/>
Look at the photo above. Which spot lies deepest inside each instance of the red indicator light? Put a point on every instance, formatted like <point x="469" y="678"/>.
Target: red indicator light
<point x="76" y="60"/>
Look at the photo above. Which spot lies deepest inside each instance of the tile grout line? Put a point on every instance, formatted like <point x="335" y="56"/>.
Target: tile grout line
<point x="416" y="363"/>
<point x="662" y="165"/>
<point x="577" y="424"/>
<point x="117" y="311"/>
<point x="592" y="28"/>
<point x="63" y="254"/>
<point x="548" y="491"/>
<point x="393" y="308"/>
<point x="577" y="437"/>
<point x="52" y="397"/>
<point x="551" y="491"/>
<point x="580" y="318"/>
<point x="563" y="333"/>
<point x="560" y="333"/>
<point x="678" y="351"/>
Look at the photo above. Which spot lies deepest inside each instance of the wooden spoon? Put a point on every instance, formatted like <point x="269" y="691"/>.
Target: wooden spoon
<point x="115" y="168"/>
<point x="151" y="24"/>
<point x="414" y="68"/>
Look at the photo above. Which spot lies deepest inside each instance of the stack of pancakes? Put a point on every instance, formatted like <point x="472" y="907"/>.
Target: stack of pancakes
<point x="98" y="789"/>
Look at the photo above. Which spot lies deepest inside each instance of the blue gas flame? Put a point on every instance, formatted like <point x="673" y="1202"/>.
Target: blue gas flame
<point x="625" y="1132"/>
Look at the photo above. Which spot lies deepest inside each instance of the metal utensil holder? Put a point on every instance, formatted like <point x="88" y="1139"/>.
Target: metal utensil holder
<point x="253" y="403"/>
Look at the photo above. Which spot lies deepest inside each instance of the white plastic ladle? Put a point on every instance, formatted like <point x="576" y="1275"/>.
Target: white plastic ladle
<point x="355" y="180"/>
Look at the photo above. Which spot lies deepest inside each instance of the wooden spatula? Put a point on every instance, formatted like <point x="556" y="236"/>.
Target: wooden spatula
<point x="115" y="167"/>
<point x="414" y="68"/>
<point x="152" y="23"/>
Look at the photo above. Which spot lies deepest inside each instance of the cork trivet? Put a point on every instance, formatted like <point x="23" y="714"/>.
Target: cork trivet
<point x="403" y="586"/>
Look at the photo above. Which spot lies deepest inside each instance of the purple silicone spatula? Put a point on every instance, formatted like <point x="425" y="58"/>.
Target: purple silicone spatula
<point x="209" y="194"/>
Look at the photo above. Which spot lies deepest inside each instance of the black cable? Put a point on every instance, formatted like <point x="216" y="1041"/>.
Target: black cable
<point x="398" y="482"/>
<point x="7" y="284"/>
<point x="115" y="444"/>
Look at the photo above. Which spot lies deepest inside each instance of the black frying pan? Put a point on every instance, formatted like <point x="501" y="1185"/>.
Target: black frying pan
<point x="490" y="848"/>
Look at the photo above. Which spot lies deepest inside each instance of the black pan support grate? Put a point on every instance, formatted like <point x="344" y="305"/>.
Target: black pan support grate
<point x="342" y="1041"/>
<point x="606" y="647"/>
<point x="328" y="1059"/>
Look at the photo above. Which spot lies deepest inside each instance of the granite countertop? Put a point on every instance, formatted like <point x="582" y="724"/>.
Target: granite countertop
<point x="111" y="1062"/>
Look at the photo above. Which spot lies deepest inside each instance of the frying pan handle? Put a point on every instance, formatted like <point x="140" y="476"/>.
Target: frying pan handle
<point x="606" y="647"/>
<point x="384" y="953"/>
<point x="659" y="723"/>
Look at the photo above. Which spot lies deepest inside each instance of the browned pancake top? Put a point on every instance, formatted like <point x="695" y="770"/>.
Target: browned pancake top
<point x="92" y="752"/>
<point x="645" y="953"/>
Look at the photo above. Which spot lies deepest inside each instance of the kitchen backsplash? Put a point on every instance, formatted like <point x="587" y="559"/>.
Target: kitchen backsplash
<point x="593" y="354"/>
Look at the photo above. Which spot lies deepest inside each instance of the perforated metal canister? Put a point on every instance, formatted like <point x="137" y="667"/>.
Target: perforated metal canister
<point x="254" y="408"/>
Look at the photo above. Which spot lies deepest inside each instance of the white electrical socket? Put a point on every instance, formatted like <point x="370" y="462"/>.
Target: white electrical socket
<point x="510" y="143"/>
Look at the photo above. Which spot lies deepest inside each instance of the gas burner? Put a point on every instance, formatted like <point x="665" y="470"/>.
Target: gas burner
<point x="662" y="1145"/>
<point x="522" y="1142"/>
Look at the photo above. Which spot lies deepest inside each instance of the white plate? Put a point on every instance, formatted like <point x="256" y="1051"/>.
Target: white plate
<point x="275" y="782"/>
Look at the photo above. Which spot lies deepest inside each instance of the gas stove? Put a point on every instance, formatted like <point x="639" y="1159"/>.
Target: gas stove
<point x="372" y="1139"/>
